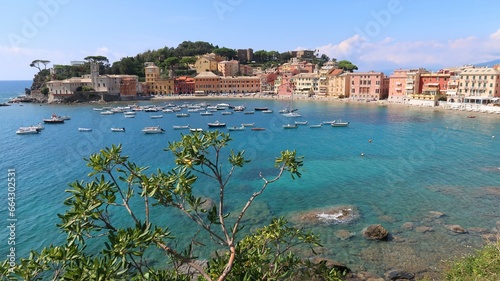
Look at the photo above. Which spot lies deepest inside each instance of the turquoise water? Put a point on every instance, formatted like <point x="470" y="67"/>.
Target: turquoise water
<point x="418" y="161"/>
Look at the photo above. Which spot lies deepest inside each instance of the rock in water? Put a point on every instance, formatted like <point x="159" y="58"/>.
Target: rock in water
<point x="399" y="275"/>
<point x="375" y="232"/>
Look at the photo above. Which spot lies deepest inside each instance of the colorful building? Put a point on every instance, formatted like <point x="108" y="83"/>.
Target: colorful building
<point x="368" y="86"/>
<point x="480" y="85"/>
<point x="397" y="86"/>
<point x="184" y="85"/>
<point x="240" y="84"/>
<point x="208" y="62"/>
<point x="207" y="83"/>
<point x="434" y="86"/>
<point x="228" y="68"/>
<point x="305" y="84"/>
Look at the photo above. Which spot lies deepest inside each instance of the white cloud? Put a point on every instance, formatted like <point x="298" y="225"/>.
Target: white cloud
<point x="390" y="54"/>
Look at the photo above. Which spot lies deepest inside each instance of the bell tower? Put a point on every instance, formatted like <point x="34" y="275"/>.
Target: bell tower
<point x="94" y="72"/>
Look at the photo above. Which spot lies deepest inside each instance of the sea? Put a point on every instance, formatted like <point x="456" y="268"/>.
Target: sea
<point x="418" y="172"/>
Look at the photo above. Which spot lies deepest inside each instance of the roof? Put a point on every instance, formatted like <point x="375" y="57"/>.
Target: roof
<point x="206" y="74"/>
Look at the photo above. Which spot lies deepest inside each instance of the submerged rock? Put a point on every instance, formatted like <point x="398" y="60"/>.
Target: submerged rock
<point x="375" y="232"/>
<point x="456" y="228"/>
<point x="333" y="215"/>
<point x="424" y="229"/>
<point x="343" y="234"/>
<point x="399" y="275"/>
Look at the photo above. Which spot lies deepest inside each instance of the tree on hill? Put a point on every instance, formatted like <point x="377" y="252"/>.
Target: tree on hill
<point x="347" y="65"/>
<point x="36" y="64"/>
<point x="122" y="188"/>
<point x="227" y="53"/>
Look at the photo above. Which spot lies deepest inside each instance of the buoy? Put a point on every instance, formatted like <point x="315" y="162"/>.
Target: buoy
<point x="362" y="154"/>
<point x="370" y="140"/>
<point x="492" y="137"/>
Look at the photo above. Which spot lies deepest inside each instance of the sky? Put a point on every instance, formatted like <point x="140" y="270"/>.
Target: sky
<point x="379" y="35"/>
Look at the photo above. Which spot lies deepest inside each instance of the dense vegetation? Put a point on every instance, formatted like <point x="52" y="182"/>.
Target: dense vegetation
<point x="482" y="265"/>
<point x="121" y="251"/>
<point x="167" y="58"/>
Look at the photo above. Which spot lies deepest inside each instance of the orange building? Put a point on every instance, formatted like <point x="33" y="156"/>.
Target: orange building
<point x="207" y="83"/>
<point x="397" y="86"/>
<point x="128" y="87"/>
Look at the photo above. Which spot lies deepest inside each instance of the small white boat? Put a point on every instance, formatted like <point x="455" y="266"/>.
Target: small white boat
<point x="65" y="117"/>
<point x="226" y="112"/>
<point x="248" y="124"/>
<point x="129" y="116"/>
<point x="129" y="113"/>
<point x="196" y="129"/>
<point x="339" y="123"/>
<point x="153" y="130"/>
<point x="182" y="115"/>
<point x="301" y="122"/>
<point x="118" y="129"/>
<point x="316" y="126"/>
<point x="38" y="127"/>
<point x="107" y="112"/>
<point x="27" y="131"/>
<point x="291" y="114"/>
<point x="290" y="126"/>
<point x="239" y="108"/>
<point x="216" y="124"/>
<point x="168" y="110"/>
<point x="234" y="128"/>
<point x="85" y="129"/>
<point x="156" y="116"/>
<point x="180" y="127"/>
<point x="98" y="109"/>
<point x="206" y="113"/>
<point x="249" y="112"/>
<point x="328" y="122"/>
<point x="267" y="111"/>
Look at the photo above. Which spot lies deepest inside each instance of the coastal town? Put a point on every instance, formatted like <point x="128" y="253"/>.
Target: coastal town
<point x="468" y="87"/>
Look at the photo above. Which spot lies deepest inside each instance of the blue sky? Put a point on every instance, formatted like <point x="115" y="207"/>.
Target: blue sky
<point x="375" y="35"/>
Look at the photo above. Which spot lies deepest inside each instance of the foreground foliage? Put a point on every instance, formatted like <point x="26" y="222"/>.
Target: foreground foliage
<point x="482" y="265"/>
<point x="120" y="250"/>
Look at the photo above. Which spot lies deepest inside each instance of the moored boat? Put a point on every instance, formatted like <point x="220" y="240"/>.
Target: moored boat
<point x="156" y="116"/>
<point x="248" y="124"/>
<point x="54" y="119"/>
<point x="27" y="131"/>
<point x="234" y="128"/>
<point x="226" y="112"/>
<point x="206" y="113"/>
<point x="290" y="126"/>
<point x="85" y="129"/>
<point x="153" y="130"/>
<point x="339" y="123"/>
<point x="180" y="127"/>
<point x="258" y="129"/>
<point x="196" y="129"/>
<point x="260" y="108"/>
<point x="118" y="129"/>
<point x="301" y="122"/>
<point x="315" y="126"/>
<point x="216" y="124"/>
<point x="182" y="115"/>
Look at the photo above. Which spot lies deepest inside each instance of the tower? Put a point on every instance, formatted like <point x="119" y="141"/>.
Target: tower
<point x="94" y="73"/>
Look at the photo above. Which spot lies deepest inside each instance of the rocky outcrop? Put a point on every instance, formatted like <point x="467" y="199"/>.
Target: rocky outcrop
<point x="456" y="228"/>
<point x="375" y="232"/>
<point x="333" y="215"/>
<point x="399" y="275"/>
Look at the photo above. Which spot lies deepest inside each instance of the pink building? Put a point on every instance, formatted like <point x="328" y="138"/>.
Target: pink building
<point x="397" y="86"/>
<point x="283" y="85"/>
<point x="366" y="86"/>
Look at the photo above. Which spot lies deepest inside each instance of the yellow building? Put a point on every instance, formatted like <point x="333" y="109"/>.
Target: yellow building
<point x="338" y="84"/>
<point x="208" y="62"/>
<point x="155" y="84"/>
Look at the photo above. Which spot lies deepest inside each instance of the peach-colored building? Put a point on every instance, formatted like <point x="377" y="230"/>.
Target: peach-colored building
<point x="397" y="86"/>
<point x="338" y="83"/>
<point x="305" y="84"/>
<point x="229" y="68"/>
<point x="207" y="83"/>
<point x="240" y="84"/>
<point x="368" y="86"/>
